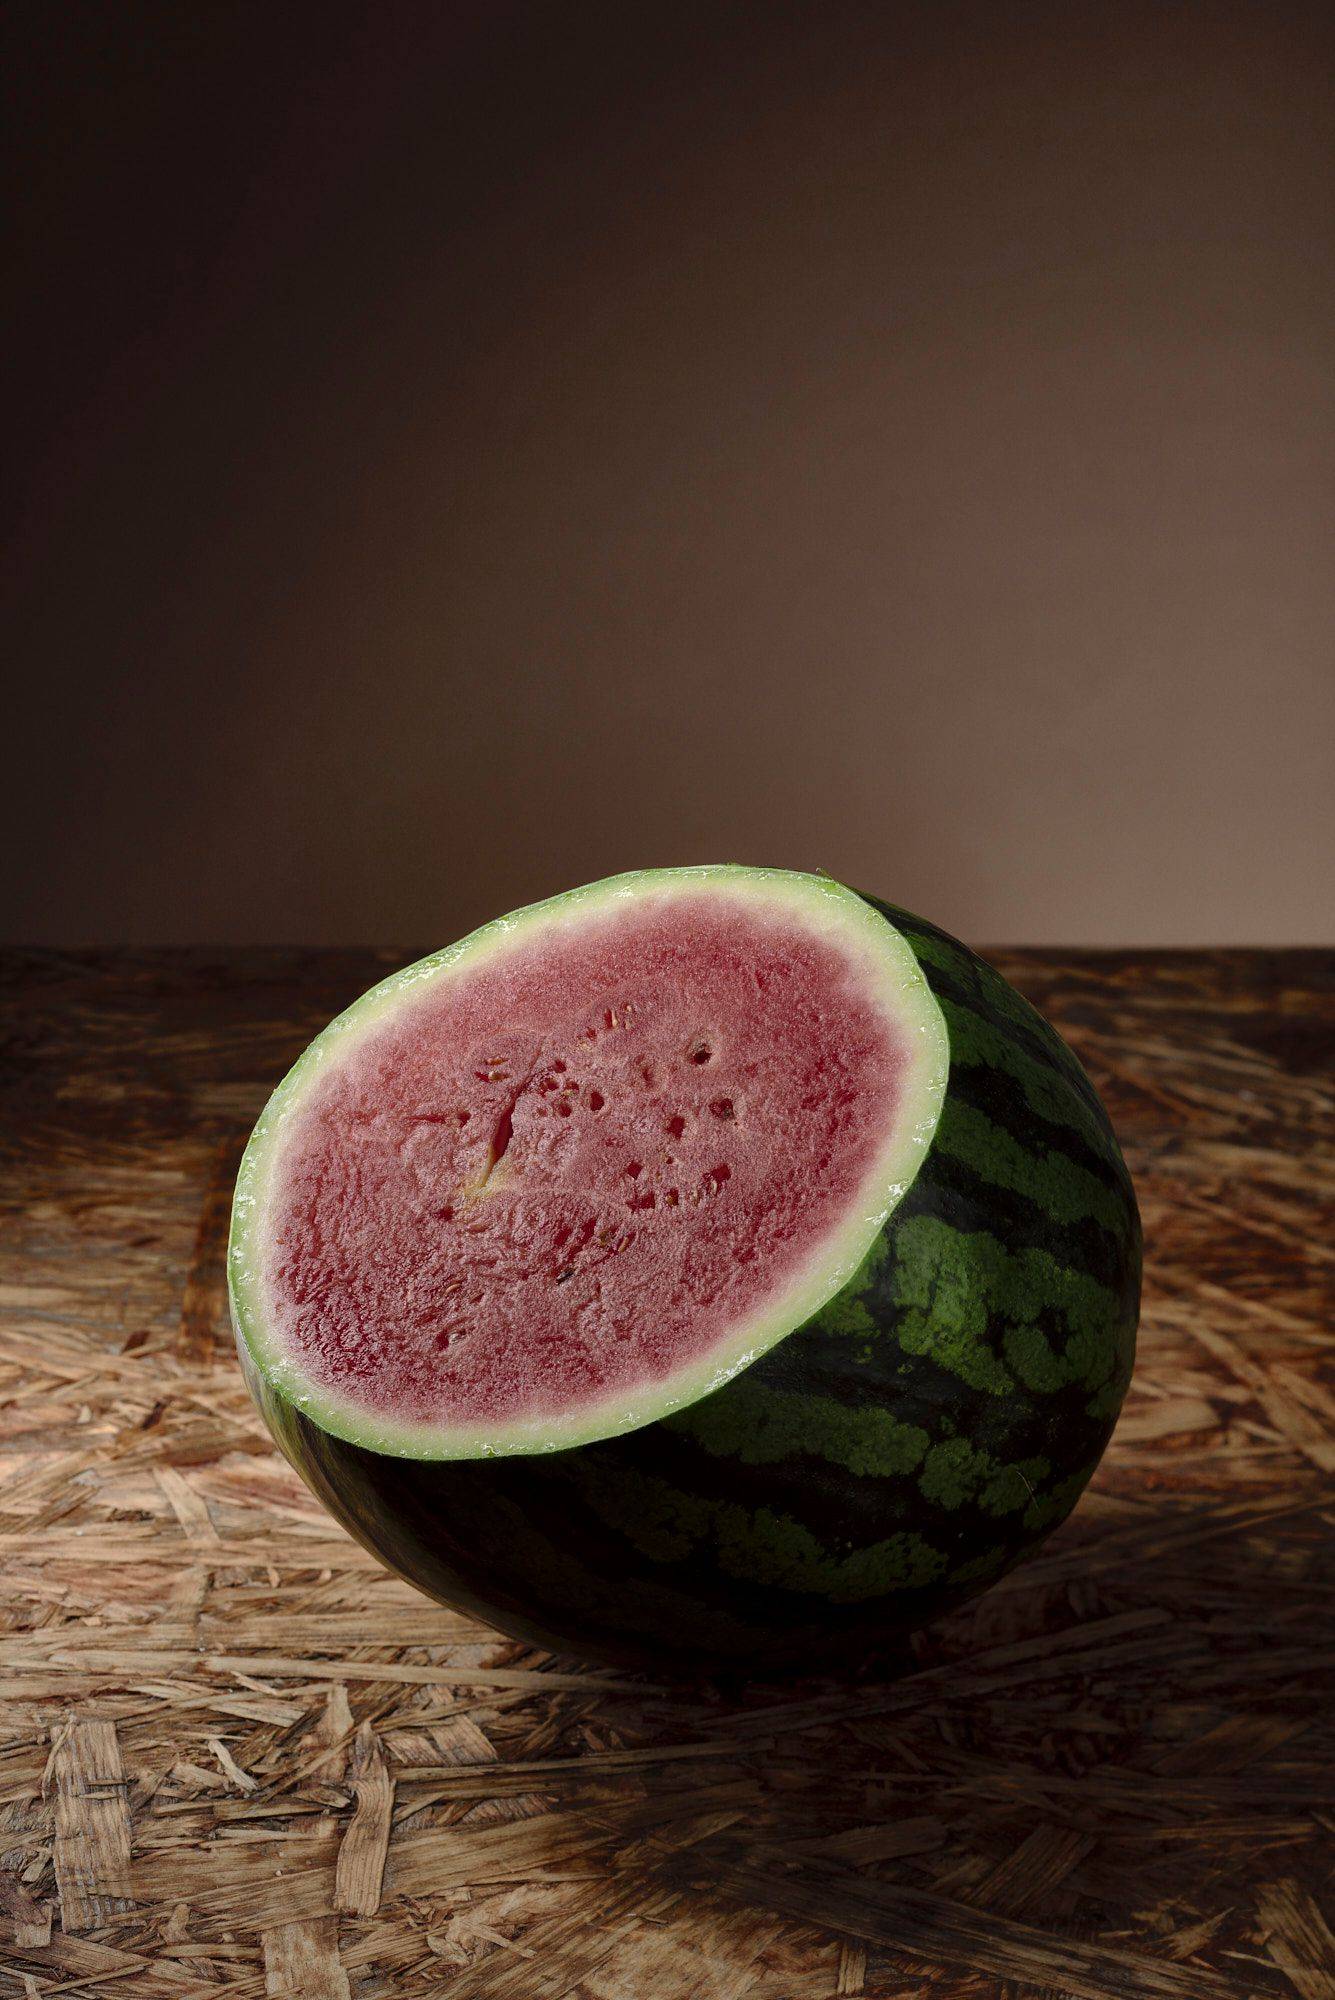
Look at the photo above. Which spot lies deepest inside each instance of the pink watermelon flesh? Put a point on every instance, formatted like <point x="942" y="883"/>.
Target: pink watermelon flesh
<point x="570" y="1168"/>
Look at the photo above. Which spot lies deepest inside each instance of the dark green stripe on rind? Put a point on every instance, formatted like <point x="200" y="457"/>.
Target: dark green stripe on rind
<point x="1054" y="1181"/>
<point x="898" y="1453"/>
<point x="957" y="975"/>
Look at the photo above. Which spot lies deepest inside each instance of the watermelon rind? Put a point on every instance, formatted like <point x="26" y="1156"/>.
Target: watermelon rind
<point x="922" y="1430"/>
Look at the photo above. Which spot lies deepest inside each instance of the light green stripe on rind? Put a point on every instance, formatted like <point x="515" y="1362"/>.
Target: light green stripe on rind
<point x="984" y="987"/>
<point x="1061" y="1187"/>
<point x="975" y="974"/>
<point x="756" y="1425"/>
<point x="1043" y="1512"/>
<point x="771" y="1549"/>
<point x="951" y="1284"/>
<point x="976" y="1044"/>
<point x="957" y="1471"/>
<point x="761" y="1547"/>
<point x="762" y="1426"/>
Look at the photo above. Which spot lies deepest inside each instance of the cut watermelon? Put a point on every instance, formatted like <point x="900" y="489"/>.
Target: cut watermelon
<point x="573" y="1268"/>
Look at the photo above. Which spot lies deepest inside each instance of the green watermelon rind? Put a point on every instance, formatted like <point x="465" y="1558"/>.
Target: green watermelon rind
<point x="928" y="1427"/>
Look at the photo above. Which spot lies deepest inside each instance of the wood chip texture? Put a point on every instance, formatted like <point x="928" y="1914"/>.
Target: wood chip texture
<point x="237" y="1759"/>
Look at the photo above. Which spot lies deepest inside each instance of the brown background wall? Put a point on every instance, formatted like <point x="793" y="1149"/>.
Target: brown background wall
<point x="464" y="452"/>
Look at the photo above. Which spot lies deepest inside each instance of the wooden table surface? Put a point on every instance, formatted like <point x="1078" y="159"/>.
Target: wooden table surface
<point x="236" y="1759"/>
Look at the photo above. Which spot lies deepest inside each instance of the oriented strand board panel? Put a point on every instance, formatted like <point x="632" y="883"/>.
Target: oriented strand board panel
<point x="237" y="1759"/>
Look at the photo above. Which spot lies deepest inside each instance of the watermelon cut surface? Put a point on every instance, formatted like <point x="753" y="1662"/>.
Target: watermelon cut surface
<point x="710" y="1265"/>
<point x="580" y="1170"/>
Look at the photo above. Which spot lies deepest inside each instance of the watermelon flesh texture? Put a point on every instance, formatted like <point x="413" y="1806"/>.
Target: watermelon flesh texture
<point x="573" y="1170"/>
<point x="913" y="1410"/>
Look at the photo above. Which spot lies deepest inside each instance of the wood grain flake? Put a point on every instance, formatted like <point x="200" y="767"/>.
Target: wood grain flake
<point x="91" y="1851"/>
<point x="361" y="1857"/>
<point x="1300" y="1939"/>
<point x="301" y="1962"/>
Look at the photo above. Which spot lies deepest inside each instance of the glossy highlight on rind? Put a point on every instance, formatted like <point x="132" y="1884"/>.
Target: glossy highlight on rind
<point x="892" y="1455"/>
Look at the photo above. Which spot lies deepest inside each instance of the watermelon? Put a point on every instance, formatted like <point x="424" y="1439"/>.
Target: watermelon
<point x="711" y="1266"/>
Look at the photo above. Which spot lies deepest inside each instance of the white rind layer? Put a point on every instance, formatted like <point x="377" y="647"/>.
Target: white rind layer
<point x="894" y="982"/>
